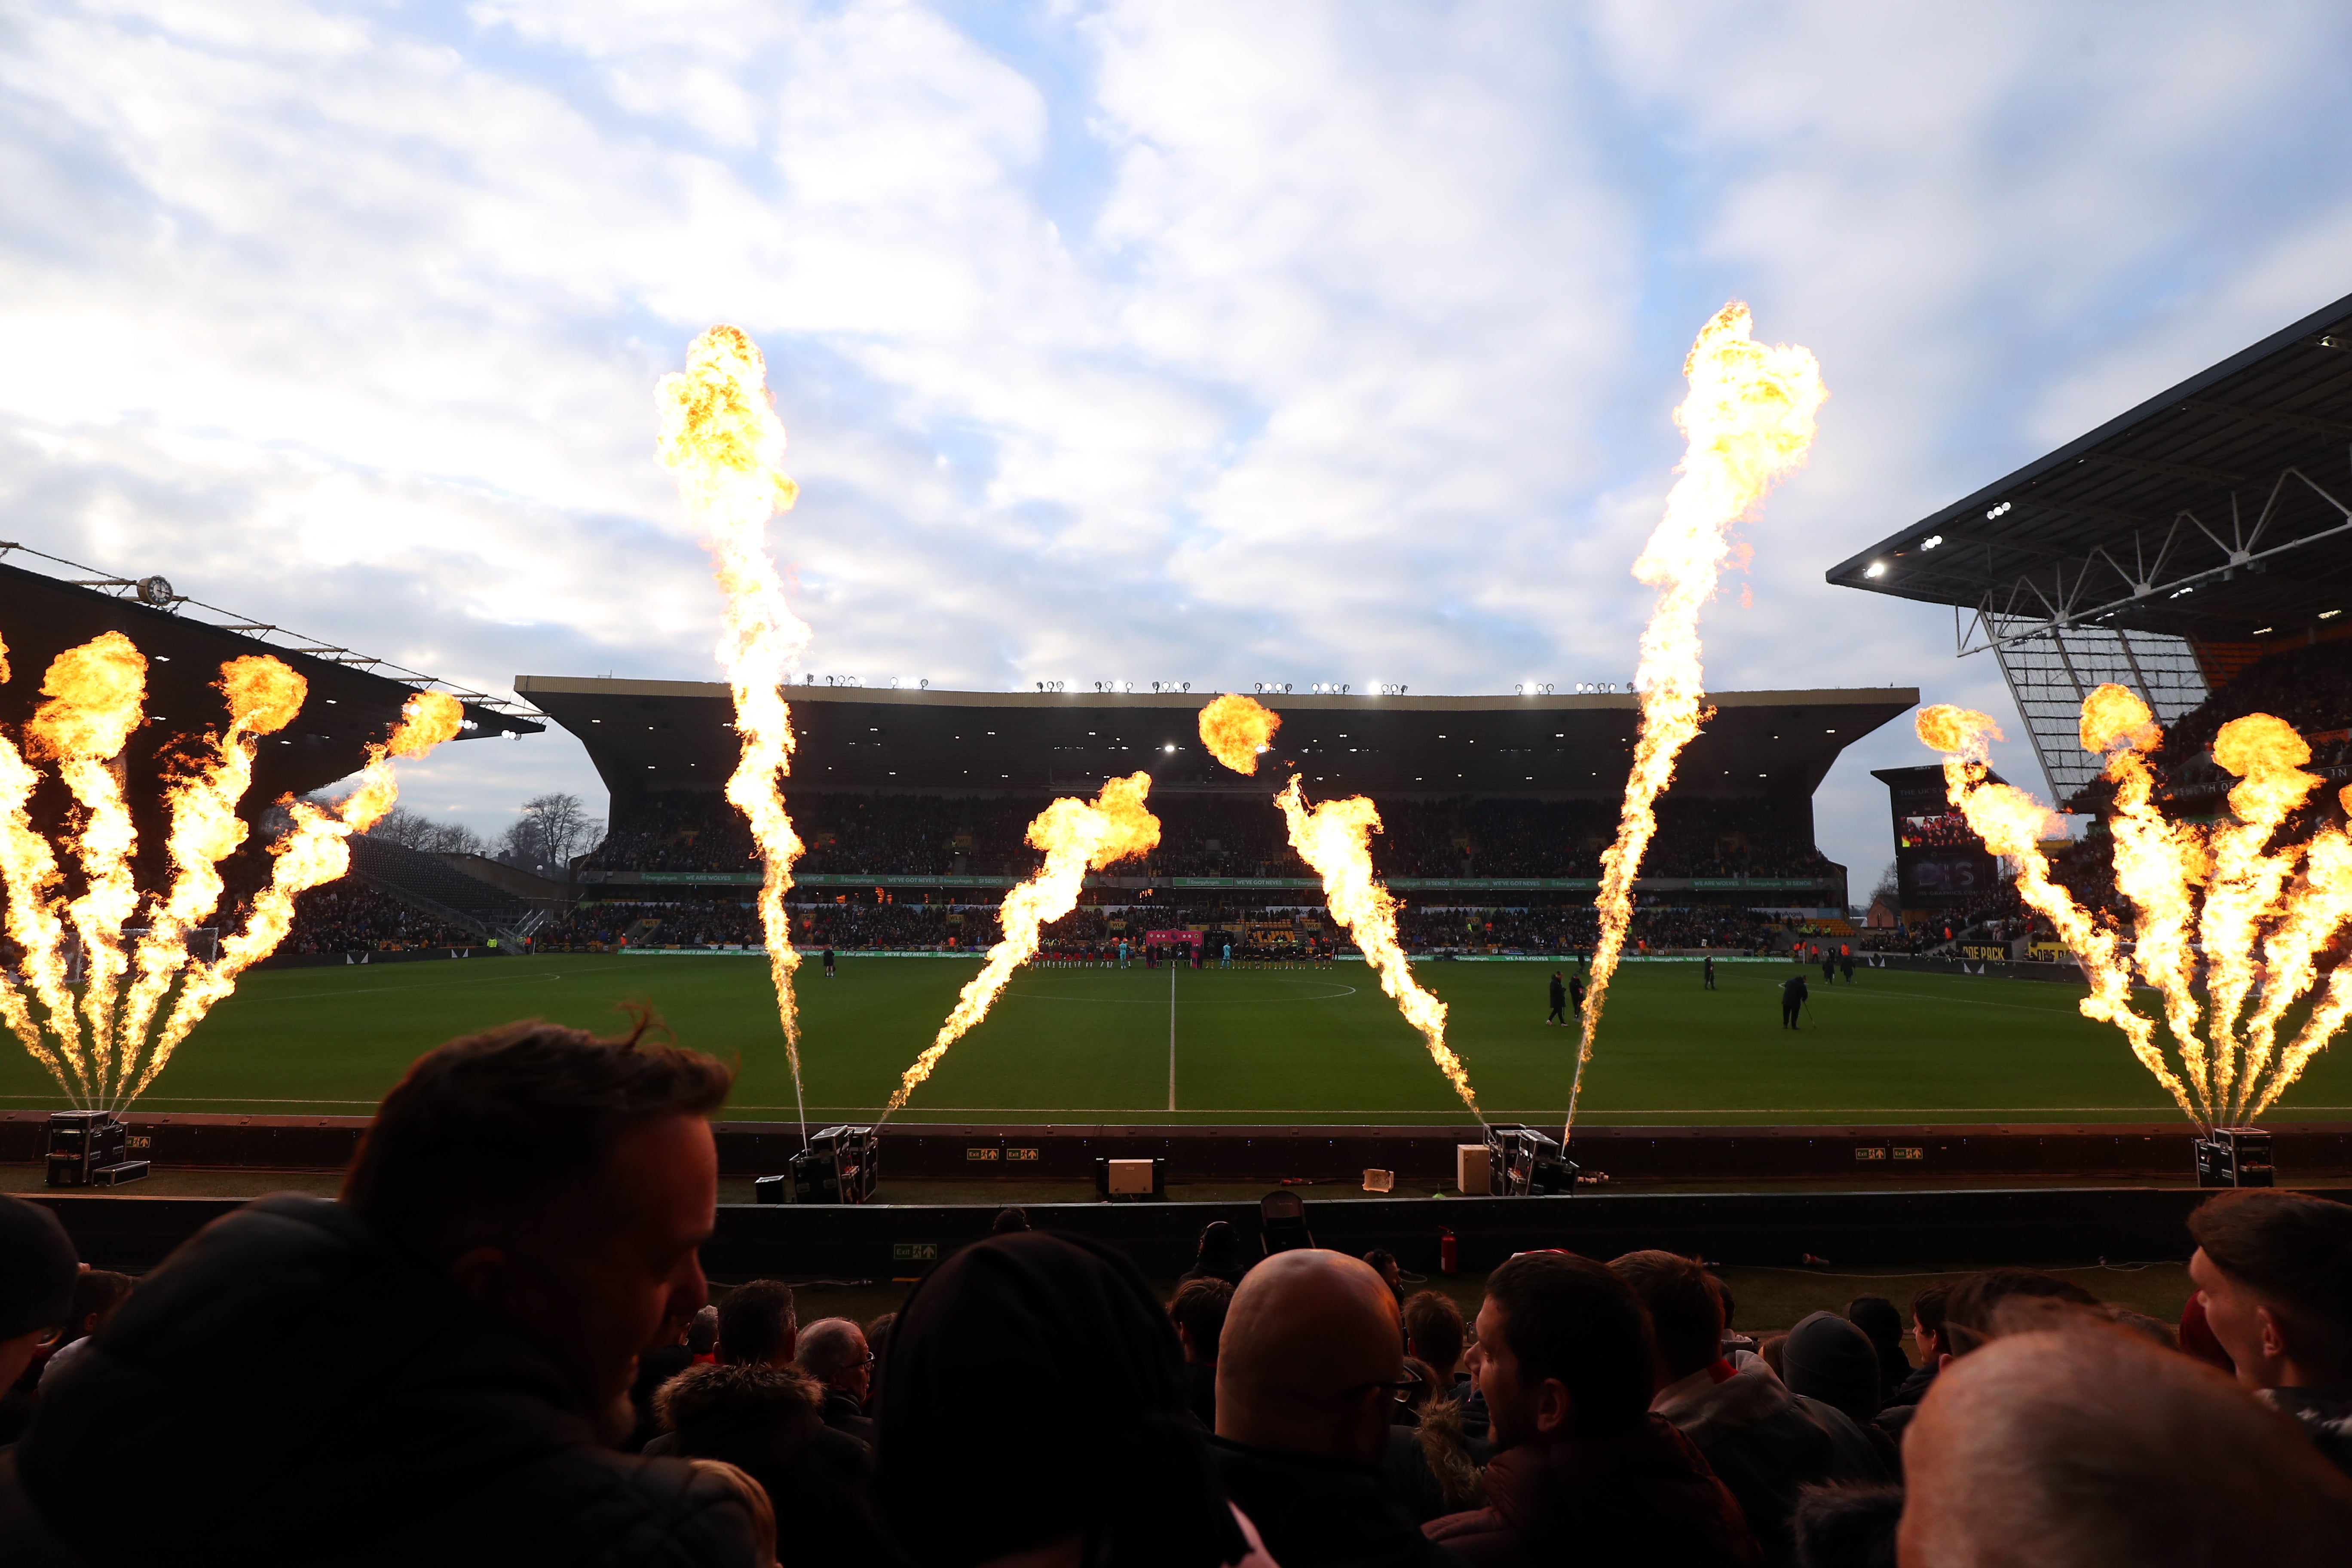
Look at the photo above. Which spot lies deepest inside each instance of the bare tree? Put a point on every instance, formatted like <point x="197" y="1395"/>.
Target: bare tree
<point x="415" y="830"/>
<point x="551" y="829"/>
<point x="1890" y="888"/>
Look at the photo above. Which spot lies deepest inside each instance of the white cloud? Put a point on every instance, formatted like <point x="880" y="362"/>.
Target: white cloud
<point x="1211" y="340"/>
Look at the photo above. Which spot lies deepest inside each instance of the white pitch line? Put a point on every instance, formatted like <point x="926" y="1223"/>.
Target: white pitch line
<point x="1172" y="1036"/>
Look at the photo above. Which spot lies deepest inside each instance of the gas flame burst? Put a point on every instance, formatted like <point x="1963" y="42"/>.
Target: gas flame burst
<point x="314" y="853"/>
<point x="1335" y="838"/>
<point x="1077" y="835"/>
<point x="1235" y="728"/>
<point x="1748" y="420"/>
<point x="2287" y="904"/>
<point x="100" y="1050"/>
<point x="721" y="436"/>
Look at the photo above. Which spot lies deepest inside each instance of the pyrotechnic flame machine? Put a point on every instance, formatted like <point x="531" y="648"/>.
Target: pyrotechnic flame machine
<point x="2223" y="883"/>
<point x="1749" y="421"/>
<point x="104" y="1046"/>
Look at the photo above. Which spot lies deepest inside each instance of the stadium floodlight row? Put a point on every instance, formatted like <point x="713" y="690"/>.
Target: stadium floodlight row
<point x="2165" y="551"/>
<point x="649" y="739"/>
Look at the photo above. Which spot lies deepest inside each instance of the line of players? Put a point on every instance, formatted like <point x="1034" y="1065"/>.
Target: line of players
<point x="1314" y="952"/>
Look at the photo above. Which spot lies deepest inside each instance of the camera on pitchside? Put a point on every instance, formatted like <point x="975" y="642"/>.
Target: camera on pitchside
<point x="839" y="1166"/>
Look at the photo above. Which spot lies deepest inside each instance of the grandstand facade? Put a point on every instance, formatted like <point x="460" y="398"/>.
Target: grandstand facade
<point x="2172" y="550"/>
<point x="913" y="804"/>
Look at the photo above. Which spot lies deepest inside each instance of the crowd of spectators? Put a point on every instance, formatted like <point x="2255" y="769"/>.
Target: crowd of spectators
<point x="495" y="1347"/>
<point x="349" y="916"/>
<point x="1215" y="836"/>
<point x="847" y="922"/>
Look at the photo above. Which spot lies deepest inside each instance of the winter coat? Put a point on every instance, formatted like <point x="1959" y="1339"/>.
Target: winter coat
<point x="290" y="1388"/>
<point x="1766" y="1443"/>
<point x="1641" y="1499"/>
<point x="1317" y="1512"/>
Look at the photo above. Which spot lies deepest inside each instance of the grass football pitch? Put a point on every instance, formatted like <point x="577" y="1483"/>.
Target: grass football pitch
<point x="1209" y="1046"/>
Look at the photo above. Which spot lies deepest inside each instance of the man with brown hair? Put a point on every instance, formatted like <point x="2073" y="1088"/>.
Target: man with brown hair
<point x="1766" y="1443"/>
<point x="1199" y="1313"/>
<point x="453" y="1341"/>
<point x="1582" y="1471"/>
<point x="2274" y="1271"/>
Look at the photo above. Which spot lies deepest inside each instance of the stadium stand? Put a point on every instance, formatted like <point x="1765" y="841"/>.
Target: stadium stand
<point x="430" y="883"/>
<point x="1503" y="856"/>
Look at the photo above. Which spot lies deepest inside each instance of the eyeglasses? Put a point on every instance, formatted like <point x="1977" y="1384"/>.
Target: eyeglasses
<point x="1401" y="1389"/>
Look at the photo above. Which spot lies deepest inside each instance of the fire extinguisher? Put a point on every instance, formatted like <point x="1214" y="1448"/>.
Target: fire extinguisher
<point x="1449" y="1259"/>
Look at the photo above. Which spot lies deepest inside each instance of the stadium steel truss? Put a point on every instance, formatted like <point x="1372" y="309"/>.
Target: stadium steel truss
<point x="2164" y="551"/>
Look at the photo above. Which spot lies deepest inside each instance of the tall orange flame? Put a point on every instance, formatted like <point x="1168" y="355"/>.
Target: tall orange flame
<point x="1235" y="728"/>
<point x="1749" y="421"/>
<point x="720" y="435"/>
<point x="2230" y="1067"/>
<point x="1077" y="836"/>
<point x="263" y="694"/>
<point x="97" y="1049"/>
<point x="96" y="692"/>
<point x="314" y="853"/>
<point x="1335" y="838"/>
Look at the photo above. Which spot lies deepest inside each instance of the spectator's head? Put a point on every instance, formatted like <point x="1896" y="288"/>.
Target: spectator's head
<point x="2078" y="1444"/>
<point x="96" y="1293"/>
<point x="758" y="1324"/>
<point x="1009" y="1219"/>
<point x="563" y="1182"/>
<point x="1099" y="1446"/>
<point x="1312" y="1357"/>
<point x="1730" y="1304"/>
<point x="1878" y="1318"/>
<point x="1978" y="1307"/>
<point x="832" y="1351"/>
<point x="752" y="1415"/>
<point x="1383" y="1263"/>
<point x="1221" y="1250"/>
<point x="2274" y="1269"/>
<point x="1433" y="1332"/>
<point x="1847" y="1524"/>
<point x="1685" y="1314"/>
<point x="1927" y="1322"/>
<point x="1829" y="1359"/>
<point x="38" y="1269"/>
<point x="1564" y="1350"/>
<point x="1199" y="1314"/>
<point x="702" y="1331"/>
<point x="754" y="1499"/>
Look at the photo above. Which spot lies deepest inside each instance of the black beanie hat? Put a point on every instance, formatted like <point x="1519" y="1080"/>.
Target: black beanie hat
<point x="1034" y="1387"/>
<point x="38" y="1265"/>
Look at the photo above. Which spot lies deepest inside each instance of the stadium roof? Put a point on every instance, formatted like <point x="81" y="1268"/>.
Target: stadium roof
<point x="2168" y="519"/>
<point x="352" y="699"/>
<point x="669" y="734"/>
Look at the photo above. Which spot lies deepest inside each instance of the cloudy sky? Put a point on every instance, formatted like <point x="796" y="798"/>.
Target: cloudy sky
<point x="1196" y="341"/>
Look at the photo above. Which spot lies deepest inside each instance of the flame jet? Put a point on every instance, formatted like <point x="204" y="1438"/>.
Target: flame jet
<point x="264" y="696"/>
<point x="29" y="868"/>
<point x="2010" y="823"/>
<point x="2267" y="757"/>
<point x="1749" y="420"/>
<point x="1077" y="835"/>
<point x="1335" y="838"/>
<point x="314" y="852"/>
<point x="2158" y="865"/>
<point x="1237" y="729"/>
<point x="721" y="436"/>
<point x="97" y="693"/>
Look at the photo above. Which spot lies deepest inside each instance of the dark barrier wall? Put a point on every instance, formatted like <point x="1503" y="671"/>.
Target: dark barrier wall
<point x="919" y="1151"/>
<point x="1932" y="1229"/>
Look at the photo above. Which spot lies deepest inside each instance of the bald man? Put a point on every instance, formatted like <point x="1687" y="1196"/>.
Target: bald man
<point x="1309" y="1369"/>
<point x="2088" y="1448"/>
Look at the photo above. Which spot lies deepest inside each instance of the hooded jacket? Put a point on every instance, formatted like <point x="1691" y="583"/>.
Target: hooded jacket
<point x="1766" y="1444"/>
<point x="291" y="1388"/>
<point x="1640" y="1499"/>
